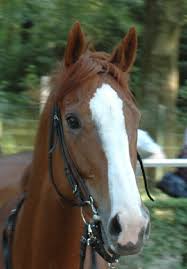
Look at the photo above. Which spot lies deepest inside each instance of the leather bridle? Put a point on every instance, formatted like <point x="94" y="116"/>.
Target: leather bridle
<point x="92" y="235"/>
<point x="92" y="230"/>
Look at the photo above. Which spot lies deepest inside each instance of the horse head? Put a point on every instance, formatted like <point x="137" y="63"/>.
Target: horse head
<point x="100" y="121"/>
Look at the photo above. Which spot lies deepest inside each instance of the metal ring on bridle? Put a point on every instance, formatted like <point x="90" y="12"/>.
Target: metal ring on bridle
<point x="95" y="216"/>
<point x="91" y="204"/>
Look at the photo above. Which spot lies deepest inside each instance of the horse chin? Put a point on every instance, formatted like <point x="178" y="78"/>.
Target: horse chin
<point x="124" y="251"/>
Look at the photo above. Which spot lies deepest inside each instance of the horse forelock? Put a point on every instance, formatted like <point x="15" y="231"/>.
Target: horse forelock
<point x="64" y="80"/>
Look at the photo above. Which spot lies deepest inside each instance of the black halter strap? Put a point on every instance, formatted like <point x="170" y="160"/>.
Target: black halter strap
<point x="76" y="182"/>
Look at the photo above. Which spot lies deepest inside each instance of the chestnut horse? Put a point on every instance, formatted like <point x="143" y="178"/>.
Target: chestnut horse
<point x="85" y="154"/>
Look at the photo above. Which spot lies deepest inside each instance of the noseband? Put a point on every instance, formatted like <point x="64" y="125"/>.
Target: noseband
<point x="92" y="235"/>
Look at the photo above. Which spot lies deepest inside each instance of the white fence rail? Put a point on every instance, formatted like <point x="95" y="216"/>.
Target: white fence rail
<point x="165" y="163"/>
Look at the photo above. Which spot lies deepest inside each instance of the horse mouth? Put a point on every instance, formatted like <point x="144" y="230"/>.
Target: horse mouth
<point x="113" y="248"/>
<point x="126" y="250"/>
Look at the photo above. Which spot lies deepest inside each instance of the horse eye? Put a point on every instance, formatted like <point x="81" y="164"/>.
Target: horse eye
<point x="73" y="122"/>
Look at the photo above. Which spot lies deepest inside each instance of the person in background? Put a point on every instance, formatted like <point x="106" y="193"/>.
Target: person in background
<point x="175" y="183"/>
<point x="147" y="147"/>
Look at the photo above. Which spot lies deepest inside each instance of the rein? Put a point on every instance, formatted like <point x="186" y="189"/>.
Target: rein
<point x="92" y="235"/>
<point x="8" y="233"/>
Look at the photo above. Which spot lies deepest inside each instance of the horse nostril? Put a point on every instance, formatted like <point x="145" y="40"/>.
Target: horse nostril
<point x="115" y="227"/>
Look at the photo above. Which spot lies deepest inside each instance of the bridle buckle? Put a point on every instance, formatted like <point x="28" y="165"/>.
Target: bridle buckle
<point x="95" y="217"/>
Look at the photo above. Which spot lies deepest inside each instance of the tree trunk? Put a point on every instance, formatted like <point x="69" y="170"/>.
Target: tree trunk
<point x="163" y="24"/>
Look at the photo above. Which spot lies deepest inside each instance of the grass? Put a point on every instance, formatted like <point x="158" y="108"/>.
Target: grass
<point x="167" y="246"/>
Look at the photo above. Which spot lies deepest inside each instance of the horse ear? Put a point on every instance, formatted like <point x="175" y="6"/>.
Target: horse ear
<point x="76" y="45"/>
<point x="124" y="55"/>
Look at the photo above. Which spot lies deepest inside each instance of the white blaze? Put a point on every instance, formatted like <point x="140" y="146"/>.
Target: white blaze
<point x="107" y="113"/>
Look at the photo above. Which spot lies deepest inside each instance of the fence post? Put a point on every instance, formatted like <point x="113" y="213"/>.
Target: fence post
<point x="162" y="110"/>
<point x="44" y="91"/>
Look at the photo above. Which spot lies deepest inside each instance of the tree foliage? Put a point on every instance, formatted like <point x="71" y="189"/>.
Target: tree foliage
<point x="33" y="36"/>
<point x="33" y="33"/>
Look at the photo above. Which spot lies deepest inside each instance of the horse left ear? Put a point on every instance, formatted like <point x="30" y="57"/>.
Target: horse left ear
<point x="76" y="45"/>
<point x="124" y="55"/>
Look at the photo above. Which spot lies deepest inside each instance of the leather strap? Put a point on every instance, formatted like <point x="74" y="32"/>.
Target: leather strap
<point x="76" y="182"/>
<point x="8" y="233"/>
<point x="144" y="177"/>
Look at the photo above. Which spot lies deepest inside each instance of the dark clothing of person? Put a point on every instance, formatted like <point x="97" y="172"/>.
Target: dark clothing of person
<point x="182" y="172"/>
<point x="175" y="184"/>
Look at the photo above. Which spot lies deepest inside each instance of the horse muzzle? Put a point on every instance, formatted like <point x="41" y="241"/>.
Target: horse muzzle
<point x="128" y="232"/>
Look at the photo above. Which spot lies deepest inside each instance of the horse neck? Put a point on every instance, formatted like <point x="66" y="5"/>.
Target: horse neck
<point x="47" y="235"/>
<point x="47" y="232"/>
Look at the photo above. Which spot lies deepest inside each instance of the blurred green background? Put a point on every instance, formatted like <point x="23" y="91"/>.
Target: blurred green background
<point x="33" y="36"/>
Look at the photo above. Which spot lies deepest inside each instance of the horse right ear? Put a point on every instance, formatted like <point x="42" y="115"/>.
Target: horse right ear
<point x="124" y="55"/>
<point x="76" y="45"/>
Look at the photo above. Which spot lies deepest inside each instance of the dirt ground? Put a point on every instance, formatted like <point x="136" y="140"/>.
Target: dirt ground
<point x="11" y="170"/>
